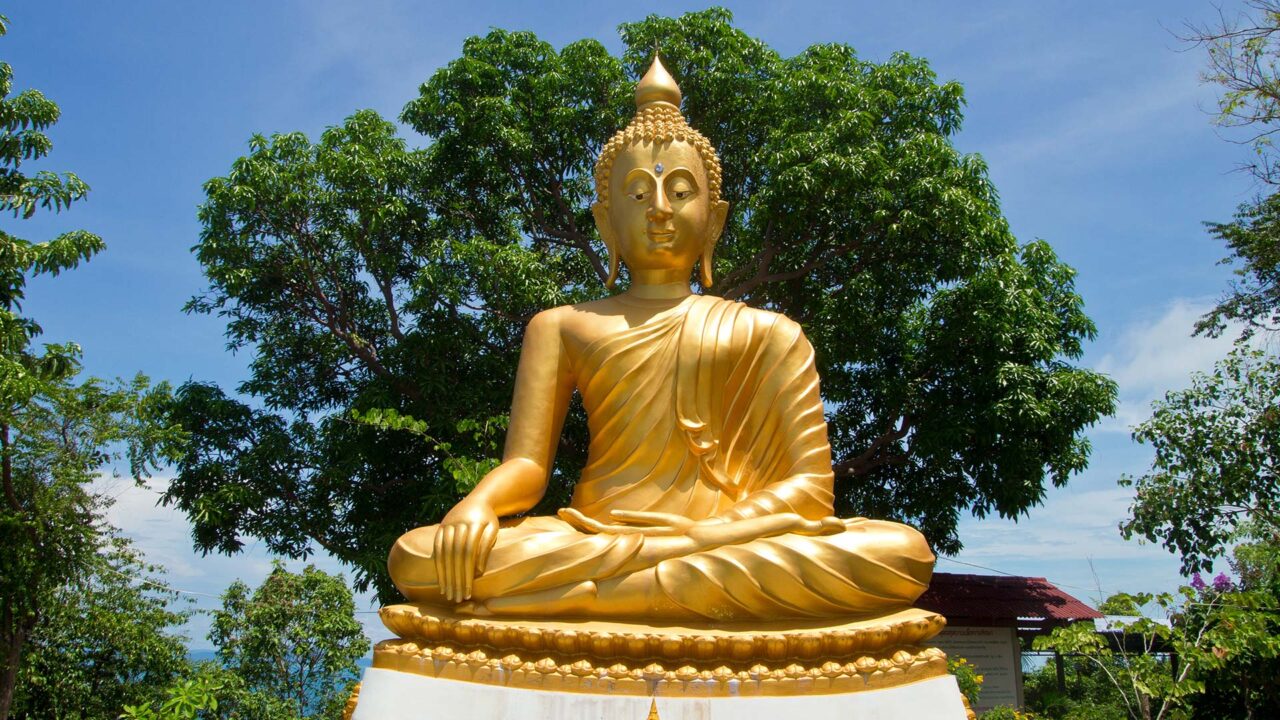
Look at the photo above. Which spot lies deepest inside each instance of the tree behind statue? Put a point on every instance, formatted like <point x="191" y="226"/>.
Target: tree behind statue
<point x="374" y="281"/>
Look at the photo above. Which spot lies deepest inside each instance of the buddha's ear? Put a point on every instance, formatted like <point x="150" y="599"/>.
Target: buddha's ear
<point x="601" y="214"/>
<point x="719" y="212"/>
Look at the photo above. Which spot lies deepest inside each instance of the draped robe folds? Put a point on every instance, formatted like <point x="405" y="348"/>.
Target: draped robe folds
<point x="710" y="409"/>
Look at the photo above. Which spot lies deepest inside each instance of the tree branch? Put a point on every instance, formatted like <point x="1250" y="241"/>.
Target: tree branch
<point x="871" y="458"/>
<point x="760" y="262"/>
<point x="579" y="239"/>
<point x="817" y="259"/>
<point x="334" y="317"/>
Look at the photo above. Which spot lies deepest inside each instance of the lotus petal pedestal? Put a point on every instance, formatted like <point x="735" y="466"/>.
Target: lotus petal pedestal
<point x="444" y="664"/>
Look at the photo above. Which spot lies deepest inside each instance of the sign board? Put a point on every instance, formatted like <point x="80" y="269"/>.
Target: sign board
<point x="997" y="656"/>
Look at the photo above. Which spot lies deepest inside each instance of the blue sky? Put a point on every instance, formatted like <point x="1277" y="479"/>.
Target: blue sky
<point x="1090" y="115"/>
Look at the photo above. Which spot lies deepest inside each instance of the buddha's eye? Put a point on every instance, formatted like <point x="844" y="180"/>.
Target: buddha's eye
<point x="681" y="190"/>
<point x="639" y="190"/>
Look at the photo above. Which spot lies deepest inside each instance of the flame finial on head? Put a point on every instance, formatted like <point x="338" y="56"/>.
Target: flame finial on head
<point x="657" y="86"/>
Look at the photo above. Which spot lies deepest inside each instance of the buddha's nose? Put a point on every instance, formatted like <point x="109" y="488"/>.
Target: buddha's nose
<point x="661" y="208"/>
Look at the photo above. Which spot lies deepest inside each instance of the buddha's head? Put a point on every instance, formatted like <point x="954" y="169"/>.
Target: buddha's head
<point x="658" y="203"/>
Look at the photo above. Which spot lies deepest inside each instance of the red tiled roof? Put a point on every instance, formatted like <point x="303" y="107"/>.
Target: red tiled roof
<point x="1001" y="597"/>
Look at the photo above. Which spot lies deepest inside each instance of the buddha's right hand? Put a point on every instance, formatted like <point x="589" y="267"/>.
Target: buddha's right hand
<point x="462" y="545"/>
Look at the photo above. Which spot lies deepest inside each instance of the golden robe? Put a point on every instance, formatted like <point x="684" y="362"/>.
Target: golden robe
<point x="731" y="392"/>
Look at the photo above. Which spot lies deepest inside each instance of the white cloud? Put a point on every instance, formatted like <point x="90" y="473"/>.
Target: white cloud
<point x="1055" y="531"/>
<point x="1154" y="356"/>
<point x="163" y="534"/>
<point x="1074" y="541"/>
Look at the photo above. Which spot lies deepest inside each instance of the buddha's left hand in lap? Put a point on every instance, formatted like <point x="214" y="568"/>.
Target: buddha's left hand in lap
<point x="706" y="533"/>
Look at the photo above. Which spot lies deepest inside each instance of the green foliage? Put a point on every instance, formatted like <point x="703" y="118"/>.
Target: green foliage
<point x="1226" y="637"/>
<point x="185" y="700"/>
<point x="1004" y="712"/>
<point x="1242" y="50"/>
<point x="1242" y="57"/>
<point x="1241" y="669"/>
<point x="104" y="641"/>
<point x="967" y="678"/>
<point x="1089" y="692"/>
<point x="210" y="692"/>
<point x="54" y="444"/>
<point x="295" y="639"/>
<point x="1146" y="686"/>
<point x="56" y="433"/>
<point x="1217" y="460"/>
<point x="467" y="472"/>
<point x="1253" y="238"/>
<point x="365" y="276"/>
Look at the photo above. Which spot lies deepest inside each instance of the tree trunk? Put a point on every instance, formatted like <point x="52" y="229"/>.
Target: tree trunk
<point x="12" y="655"/>
<point x="15" y="630"/>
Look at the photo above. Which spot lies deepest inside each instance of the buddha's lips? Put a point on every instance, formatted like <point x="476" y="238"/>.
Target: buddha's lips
<point x="662" y="237"/>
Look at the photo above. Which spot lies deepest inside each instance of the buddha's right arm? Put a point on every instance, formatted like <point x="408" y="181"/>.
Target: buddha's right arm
<point x="544" y="386"/>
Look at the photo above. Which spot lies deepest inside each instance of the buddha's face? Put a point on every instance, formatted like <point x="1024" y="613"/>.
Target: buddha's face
<point x="660" y="215"/>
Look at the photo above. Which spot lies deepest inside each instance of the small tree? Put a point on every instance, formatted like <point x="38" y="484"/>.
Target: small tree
<point x="295" y="638"/>
<point x="211" y="692"/>
<point x="103" y="642"/>
<point x="1147" y="687"/>
<point x="1217" y="461"/>
<point x="1088" y="693"/>
<point x="1225" y="636"/>
<point x="1241" y="671"/>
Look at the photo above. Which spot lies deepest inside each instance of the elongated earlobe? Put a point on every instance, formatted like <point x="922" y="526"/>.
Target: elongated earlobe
<point x="601" y="214"/>
<point x="707" y="263"/>
<point x="613" y="269"/>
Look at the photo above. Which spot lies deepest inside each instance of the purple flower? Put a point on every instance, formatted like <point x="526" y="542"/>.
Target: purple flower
<point x="1221" y="582"/>
<point x="1197" y="582"/>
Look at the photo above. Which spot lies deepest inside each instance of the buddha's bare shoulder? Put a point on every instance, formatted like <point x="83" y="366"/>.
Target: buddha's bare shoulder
<point x="579" y="324"/>
<point x="569" y="315"/>
<point x="585" y="322"/>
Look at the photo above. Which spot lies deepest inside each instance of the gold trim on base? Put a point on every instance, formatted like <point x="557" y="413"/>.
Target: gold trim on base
<point x="706" y="644"/>
<point x="688" y="679"/>
<point x="349" y="709"/>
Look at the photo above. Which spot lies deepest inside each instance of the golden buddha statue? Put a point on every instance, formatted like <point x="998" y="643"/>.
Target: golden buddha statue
<point x="707" y="491"/>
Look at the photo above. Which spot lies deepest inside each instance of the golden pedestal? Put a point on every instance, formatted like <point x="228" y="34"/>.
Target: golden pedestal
<point x="778" y="658"/>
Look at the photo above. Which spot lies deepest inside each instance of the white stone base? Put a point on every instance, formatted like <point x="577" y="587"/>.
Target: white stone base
<point x="393" y="695"/>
